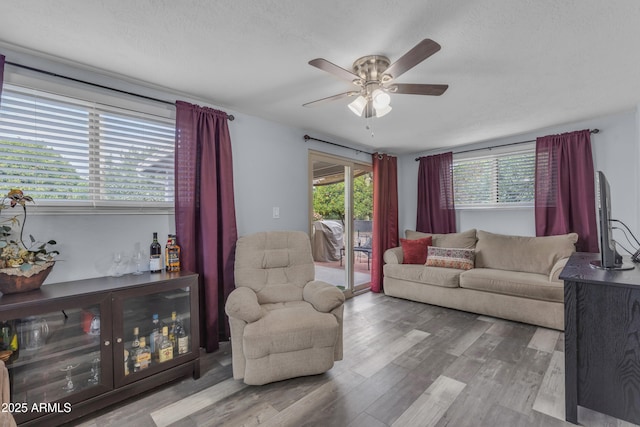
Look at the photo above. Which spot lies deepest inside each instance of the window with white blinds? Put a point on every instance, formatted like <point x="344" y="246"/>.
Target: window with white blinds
<point x="495" y="180"/>
<point x="59" y="149"/>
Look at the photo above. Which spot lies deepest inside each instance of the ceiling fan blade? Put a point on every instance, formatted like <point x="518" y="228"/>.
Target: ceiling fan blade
<point x="330" y="98"/>
<point x="419" y="53"/>
<point x="418" y="89"/>
<point x="332" y="68"/>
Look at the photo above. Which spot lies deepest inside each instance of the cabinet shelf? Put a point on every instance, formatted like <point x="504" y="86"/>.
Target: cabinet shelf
<point x="72" y="338"/>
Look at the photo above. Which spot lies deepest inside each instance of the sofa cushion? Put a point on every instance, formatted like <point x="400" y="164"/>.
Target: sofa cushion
<point x="414" y="251"/>
<point x="465" y="239"/>
<point x="461" y="259"/>
<point x="438" y="276"/>
<point x="521" y="284"/>
<point x="288" y="327"/>
<point x="520" y="253"/>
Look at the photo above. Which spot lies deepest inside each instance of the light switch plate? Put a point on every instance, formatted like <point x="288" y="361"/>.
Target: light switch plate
<point x="276" y="212"/>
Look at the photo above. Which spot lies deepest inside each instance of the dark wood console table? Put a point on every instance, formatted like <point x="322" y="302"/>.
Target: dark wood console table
<point x="602" y="339"/>
<point x="75" y="340"/>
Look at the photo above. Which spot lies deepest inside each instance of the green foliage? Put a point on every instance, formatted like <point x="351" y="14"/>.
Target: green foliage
<point x="328" y="200"/>
<point x="16" y="160"/>
<point x="363" y="197"/>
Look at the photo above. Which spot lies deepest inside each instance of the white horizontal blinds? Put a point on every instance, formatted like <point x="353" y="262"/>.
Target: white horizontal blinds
<point x="136" y="156"/>
<point x="495" y="180"/>
<point x="60" y="148"/>
<point x="43" y="146"/>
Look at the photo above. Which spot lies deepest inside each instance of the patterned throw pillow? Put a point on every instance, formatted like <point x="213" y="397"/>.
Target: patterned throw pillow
<point x="415" y="251"/>
<point x="461" y="259"/>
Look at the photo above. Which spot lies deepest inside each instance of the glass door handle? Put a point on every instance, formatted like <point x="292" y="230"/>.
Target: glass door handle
<point x="118" y="340"/>
<point x="107" y="342"/>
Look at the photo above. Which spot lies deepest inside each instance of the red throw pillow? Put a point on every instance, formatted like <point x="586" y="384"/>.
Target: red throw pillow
<point x="415" y="251"/>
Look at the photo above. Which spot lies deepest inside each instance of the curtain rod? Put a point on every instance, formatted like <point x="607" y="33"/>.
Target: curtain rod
<point x="307" y="137"/>
<point x="503" y="145"/>
<point x="50" y="73"/>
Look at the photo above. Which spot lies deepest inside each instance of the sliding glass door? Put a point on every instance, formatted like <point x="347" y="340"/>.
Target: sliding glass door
<point x="340" y="217"/>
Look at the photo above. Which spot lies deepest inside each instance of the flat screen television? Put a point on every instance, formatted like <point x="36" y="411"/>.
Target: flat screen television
<point x="610" y="259"/>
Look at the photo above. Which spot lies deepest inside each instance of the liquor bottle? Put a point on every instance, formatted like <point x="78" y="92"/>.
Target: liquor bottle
<point x="167" y="254"/>
<point x="143" y="358"/>
<point x="134" y="366"/>
<point x="174" y="257"/>
<point x="172" y="254"/>
<point x="5" y="336"/>
<point x="155" y="255"/>
<point x="172" y="331"/>
<point x="155" y="336"/>
<point x="8" y="341"/>
<point x="182" y="338"/>
<point x="136" y="339"/>
<point x="166" y="348"/>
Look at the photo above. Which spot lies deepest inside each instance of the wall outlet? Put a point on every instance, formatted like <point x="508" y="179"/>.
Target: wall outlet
<point x="276" y="212"/>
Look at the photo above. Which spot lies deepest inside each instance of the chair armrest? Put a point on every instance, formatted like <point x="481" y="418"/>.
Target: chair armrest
<point x="242" y="304"/>
<point x="323" y="296"/>
<point x="393" y="256"/>
<point x="557" y="269"/>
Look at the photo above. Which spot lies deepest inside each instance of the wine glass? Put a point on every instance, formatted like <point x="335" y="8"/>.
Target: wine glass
<point x="137" y="258"/>
<point x="117" y="259"/>
<point x="95" y="371"/>
<point x="69" y="385"/>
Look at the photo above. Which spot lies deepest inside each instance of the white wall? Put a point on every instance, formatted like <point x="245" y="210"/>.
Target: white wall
<point x="616" y="151"/>
<point x="270" y="165"/>
<point x="86" y="242"/>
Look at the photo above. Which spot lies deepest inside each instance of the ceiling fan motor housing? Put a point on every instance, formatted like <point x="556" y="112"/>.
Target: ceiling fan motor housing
<point x="371" y="68"/>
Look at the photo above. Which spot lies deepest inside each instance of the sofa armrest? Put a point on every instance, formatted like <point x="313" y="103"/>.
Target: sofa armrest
<point x="242" y="304"/>
<point x="557" y="269"/>
<point x="323" y="296"/>
<point x="393" y="256"/>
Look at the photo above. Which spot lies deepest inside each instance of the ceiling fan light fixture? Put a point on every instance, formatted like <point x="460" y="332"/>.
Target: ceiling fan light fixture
<point x="381" y="99"/>
<point x="358" y="105"/>
<point x="383" y="111"/>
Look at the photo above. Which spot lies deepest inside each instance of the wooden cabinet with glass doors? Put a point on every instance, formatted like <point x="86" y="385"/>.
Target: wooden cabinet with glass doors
<point x="69" y="347"/>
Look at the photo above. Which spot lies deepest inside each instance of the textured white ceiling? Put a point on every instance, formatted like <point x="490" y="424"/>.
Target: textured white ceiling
<point x="512" y="66"/>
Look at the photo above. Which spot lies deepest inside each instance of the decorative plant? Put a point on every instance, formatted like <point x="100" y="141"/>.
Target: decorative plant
<point x="15" y="253"/>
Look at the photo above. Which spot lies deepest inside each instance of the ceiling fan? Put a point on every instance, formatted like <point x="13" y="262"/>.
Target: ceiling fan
<point x="375" y="76"/>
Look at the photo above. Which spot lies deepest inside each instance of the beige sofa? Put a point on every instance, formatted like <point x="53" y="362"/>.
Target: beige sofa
<point x="514" y="277"/>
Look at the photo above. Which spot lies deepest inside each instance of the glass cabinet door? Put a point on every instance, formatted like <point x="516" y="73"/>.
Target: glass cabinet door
<point x="55" y="358"/>
<point x="155" y="333"/>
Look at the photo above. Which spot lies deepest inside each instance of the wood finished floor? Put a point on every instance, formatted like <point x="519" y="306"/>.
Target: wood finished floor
<point x="405" y="364"/>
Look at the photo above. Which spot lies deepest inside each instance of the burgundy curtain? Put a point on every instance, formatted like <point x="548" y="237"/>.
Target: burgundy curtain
<point x="565" y="189"/>
<point x="1" y="75"/>
<point x="436" y="211"/>
<point x="205" y="211"/>
<point x="385" y="213"/>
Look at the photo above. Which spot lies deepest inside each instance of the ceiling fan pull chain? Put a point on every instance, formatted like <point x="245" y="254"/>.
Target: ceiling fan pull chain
<point x="369" y="126"/>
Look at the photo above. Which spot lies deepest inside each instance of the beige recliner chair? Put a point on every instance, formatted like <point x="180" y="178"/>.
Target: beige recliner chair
<point x="284" y="324"/>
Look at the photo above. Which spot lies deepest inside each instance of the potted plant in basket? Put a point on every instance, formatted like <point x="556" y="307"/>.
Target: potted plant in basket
<point x="22" y="267"/>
